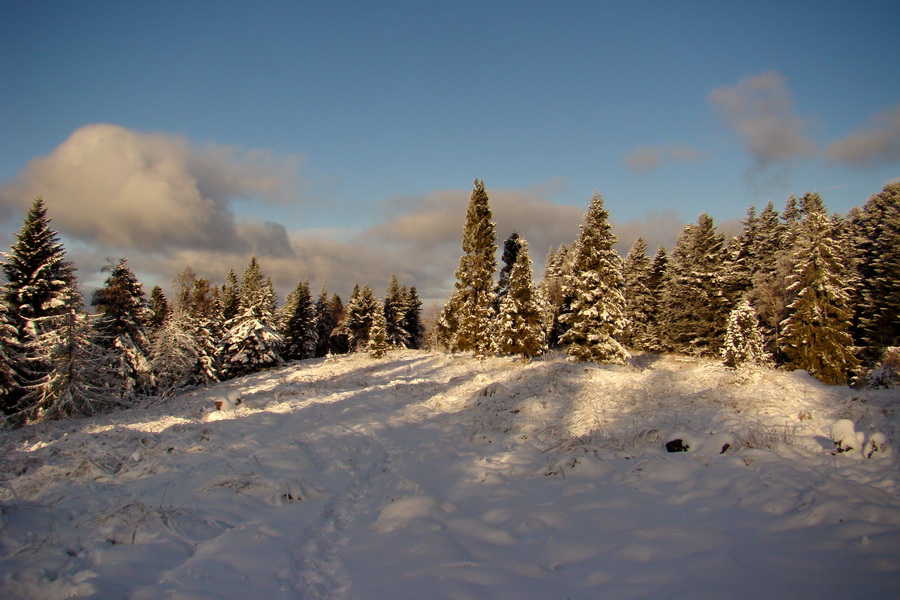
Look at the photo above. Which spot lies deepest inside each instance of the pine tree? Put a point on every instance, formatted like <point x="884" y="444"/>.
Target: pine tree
<point x="231" y="296"/>
<point x="815" y="334"/>
<point x="879" y="269"/>
<point x="638" y="299"/>
<point x="695" y="307"/>
<point x="413" y="319"/>
<point x="325" y="324"/>
<point x="510" y="252"/>
<point x="361" y="310"/>
<point x="467" y="317"/>
<point x="9" y="356"/>
<point x="338" y="340"/>
<point x="121" y="326"/>
<point x="159" y="309"/>
<point x="656" y="281"/>
<point x="396" y="299"/>
<point x="519" y="329"/>
<point x="597" y="315"/>
<point x="300" y="331"/>
<point x="40" y="284"/>
<point x="744" y="341"/>
<point x="252" y="341"/>
<point x="552" y="295"/>
<point x="378" y="342"/>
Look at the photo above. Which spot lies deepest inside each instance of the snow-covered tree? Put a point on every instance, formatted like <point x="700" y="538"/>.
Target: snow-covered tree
<point x="300" y="331"/>
<point x="467" y="315"/>
<point x="638" y="298"/>
<point x="175" y="354"/>
<point x="744" y="341"/>
<point x="338" y="341"/>
<point x="252" y="341"/>
<point x="508" y="258"/>
<point x="695" y="307"/>
<point x="413" y="319"/>
<point x="362" y="308"/>
<point x="879" y="269"/>
<point x="656" y="281"/>
<point x="123" y="314"/>
<point x="325" y="324"/>
<point x="396" y="299"/>
<point x="83" y="377"/>
<point x="40" y="283"/>
<point x="597" y="315"/>
<point x="231" y="296"/>
<point x="378" y="342"/>
<point x="519" y="329"/>
<point x="9" y="355"/>
<point x="816" y="334"/>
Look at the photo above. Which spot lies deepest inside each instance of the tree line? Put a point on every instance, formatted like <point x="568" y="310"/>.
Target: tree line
<point x="57" y="359"/>
<point x="800" y="288"/>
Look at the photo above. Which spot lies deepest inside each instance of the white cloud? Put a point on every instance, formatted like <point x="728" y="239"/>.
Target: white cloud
<point x="645" y="159"/>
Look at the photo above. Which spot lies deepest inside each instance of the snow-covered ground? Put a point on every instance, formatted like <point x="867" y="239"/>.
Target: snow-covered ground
<point x="433" y="476"/>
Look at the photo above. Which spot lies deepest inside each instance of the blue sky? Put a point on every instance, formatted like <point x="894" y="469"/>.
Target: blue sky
<point x="331" y="137"/>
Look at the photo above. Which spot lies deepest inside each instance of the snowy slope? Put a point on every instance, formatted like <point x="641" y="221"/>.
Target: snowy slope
<point x="434" y="476"/>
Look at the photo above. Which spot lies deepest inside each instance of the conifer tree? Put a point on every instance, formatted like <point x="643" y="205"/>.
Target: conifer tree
<point x="638" y="299"/>
<point x="159" y="309"/>
<point x="123" y="314"/>
<point x="879" y="269"/>
<point x="9" y="387"/>
<point x="361" y="310"/>
<point x="231" y="296"/>
<point x="338" y="339"/>
<point x="510" y="252"/>
<point x="252" y="341"/>
<point x="378" y="342"/>
<point x="656" y="280"/>
<point x="325" y="325"/>
<point x="467" y="315"/>
<point x="597" y="315"/>
<point x="396" y="299"/>
<point x="40" y="284"/>
<point x="695" y="307"/>
<point x="744" y="343"/>
<point x="816" y="333"/>
<point x="413" y="319"/>
<point x="551" y="294"/>
<point x="300" y="331"/>
<point x="519" y="328"/>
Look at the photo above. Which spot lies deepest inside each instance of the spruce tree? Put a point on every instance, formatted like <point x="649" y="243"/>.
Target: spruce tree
<point x="300" y="331"/>
<point x="695" y="307"/>
<point x="519" y="329"/>
<point x="378" y="342"/>
<point x="816" y="333"/>
<point x="123" y="314"/>
<point x="338" y="339"/>
<point x="552" y="296"/>
<point x="9" y="356"/>
<point x="40" y="284"/>
<point x="744" y="343"/>
<point x="158" y="306"/>
<point x="656" y="280"/>
<point x="396" y="299"/>
<point x="467" y="315"/>
<point x="510" y="252"/>
<point x="325" y="324"/>
<point x="638" y="299"/>
<point x="361" y="310"/>
<point x="231" y="296"/>
<point x="252" y="341"/>
<point x="413" y="319"/>
<point x="597" y="314"/>
<point x="879" y="269"/>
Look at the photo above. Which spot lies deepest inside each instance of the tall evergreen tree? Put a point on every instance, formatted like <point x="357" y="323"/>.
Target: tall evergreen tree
<point x="510" y="251"/>
<point x="695" y="307"/>
<point x="656" y="281"/>
<point x="816" y="333"/>
<point x="467" y="314"/>
<point x="597" y="316"/>
<point x="8" y="357"/>
<point x="252" y="341"/>
<point x="300" y="331"/>
<point x="361" y="310"/>
<point x="638" y="298"/>
<point x="879" y="269"/>
<point x="231" y="296"/>
<point x="338" y="339"/>
<point x="519" y="329"/>
<point x="552" y="294"/>
<point x="396" y="299"/>
<point x="413" y="319"/>
<point x="325" y="324"/>
<point x="123" y="314"/>
<point x="40" y="283"/>
<point x="159" y="309"/>
<point x="378" y="342"/>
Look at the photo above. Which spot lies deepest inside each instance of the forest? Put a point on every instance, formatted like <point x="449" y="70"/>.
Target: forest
<point x="799" y="289"/>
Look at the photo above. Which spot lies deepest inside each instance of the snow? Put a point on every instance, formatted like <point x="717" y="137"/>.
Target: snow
<point x="426" y="475"/>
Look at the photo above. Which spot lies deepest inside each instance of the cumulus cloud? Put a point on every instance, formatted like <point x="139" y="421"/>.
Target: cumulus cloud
<point x="877" y="145"/>
<point x="120" y="188"/>
<point x="760" y="111"/>
<point x="649" y="158"/>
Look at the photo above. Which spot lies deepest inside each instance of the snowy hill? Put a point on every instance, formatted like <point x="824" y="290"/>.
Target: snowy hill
<point x="433" y="476"/>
